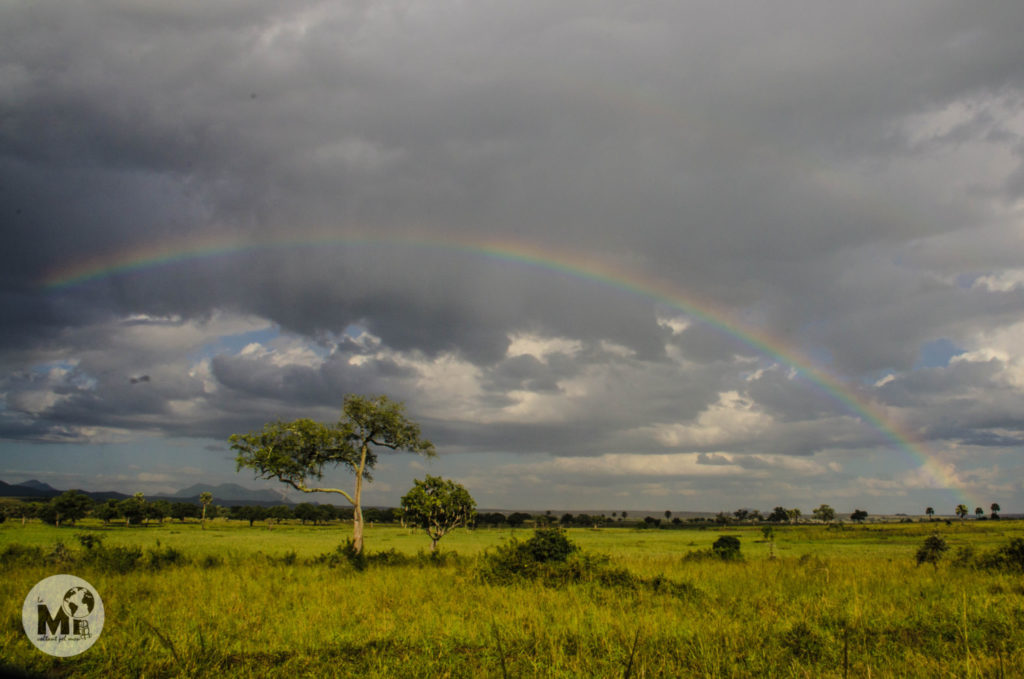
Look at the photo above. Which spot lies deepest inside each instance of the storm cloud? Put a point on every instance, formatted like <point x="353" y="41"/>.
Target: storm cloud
<point x="216" y="216"/>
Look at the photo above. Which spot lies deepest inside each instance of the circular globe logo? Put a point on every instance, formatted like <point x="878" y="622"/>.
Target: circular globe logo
<point x="63" y="615"/>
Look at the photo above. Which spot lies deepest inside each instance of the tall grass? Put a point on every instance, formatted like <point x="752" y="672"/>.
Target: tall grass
<point x="834" y="604"/>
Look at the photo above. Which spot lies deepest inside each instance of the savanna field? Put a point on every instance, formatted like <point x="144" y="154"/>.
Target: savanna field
<point x="241" y="601"/>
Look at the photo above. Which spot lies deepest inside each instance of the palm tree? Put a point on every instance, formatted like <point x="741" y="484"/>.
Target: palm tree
<point x="979" y="512"/>
<point x="995" y="510"/>
<point x="930" y="511"/>
<point x="961" y="511"/>
<point x="205" y="498"/>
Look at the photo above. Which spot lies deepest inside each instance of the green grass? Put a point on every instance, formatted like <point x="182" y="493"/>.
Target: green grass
<point x="856" y="592"/>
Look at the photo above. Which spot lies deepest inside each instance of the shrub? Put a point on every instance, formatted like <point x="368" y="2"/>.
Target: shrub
<point x="964" y="557"/>
<point x="89" y="541"/>
<point x="931" y="551"/>
<point x="550" y="544"/>
<point x="727" y="548"/>
<point x="1009" y="557"/>
<point x="344" y="555"/>
<point x="549" y="556"/>
<point x="167" y="556"/>
<point x="805" y="642"/>
<point x="21" y="555"/>
<point x="60" y="554"/>
<point x="114" y="559"/>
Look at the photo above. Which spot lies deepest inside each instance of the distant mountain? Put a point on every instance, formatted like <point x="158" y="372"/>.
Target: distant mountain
<point x="223" y="494"/>
<point x="226" y="493"/>
<point x="39" y="486"/>
<point x="20" y="490"/>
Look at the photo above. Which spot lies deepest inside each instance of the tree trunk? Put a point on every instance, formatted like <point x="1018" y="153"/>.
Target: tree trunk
<point x="357" y="510"/>
<point x="204" y="518"/>
<point x="433" y="544"/>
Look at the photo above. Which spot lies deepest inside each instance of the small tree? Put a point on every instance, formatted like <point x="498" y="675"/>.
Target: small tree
<point x="962" y="511"/>
<point x="107" y="511"/>
<point x="824" y="513"/>
<point x="517" y="519"/>
<point x="205" y="498"/>
<point x="133" y="508"/>
<point x="438" y="505"/>
<point x="69" y="506"/>
<point x="183" y="510"/>
<point x="931" y="551"/>
<point x="858" y="515"/>
<point x="158" y="510"/>
<point x="250" y="513"/>
<point x="277" y="514"/>
<point x="307" y="511"/>
<point x="930" y="511"/>
<point x="296" y="452"/>
<point x="727" y="548"/>
<point x="995" y="510"/>
<point x="769" y="534"/>
<point x="779" y="515"/>
<point x="979" y="512"/>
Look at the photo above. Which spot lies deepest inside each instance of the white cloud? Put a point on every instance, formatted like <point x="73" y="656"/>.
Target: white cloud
<point x="732" y="419"/>
<point x="541" y="348"/>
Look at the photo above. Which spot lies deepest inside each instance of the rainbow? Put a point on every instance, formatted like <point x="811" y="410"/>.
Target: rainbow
<point x="604" y="271"/>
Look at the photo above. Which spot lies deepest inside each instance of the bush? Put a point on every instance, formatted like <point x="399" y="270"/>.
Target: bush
<point x="550" y="544"/>
<point x="931" y="551"/>
<point x="1009" y="557"/>
<point x="549" y="556"/>
<point x="344" y="555"/>
<point x="114" y="559"/>
<point x="162" y="557"/>
<point x="727" y="548"/>
<point x="964" y="557"/>
<point x="805" y="642"/>
<point x="21" y="555"/>
<point x="60" y="555"/>
<point x="89" y="541"/>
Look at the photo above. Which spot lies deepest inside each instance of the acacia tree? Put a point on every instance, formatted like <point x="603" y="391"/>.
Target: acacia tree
<point x="69" y="506"/>
<point x="438" y="505"/>
<point x="296" y="452"/>
<point x="824" y="513"/>
<point x="205" y="498"/>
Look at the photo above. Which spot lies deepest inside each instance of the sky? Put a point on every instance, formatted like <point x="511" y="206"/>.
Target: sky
<point x="610" y="255"/>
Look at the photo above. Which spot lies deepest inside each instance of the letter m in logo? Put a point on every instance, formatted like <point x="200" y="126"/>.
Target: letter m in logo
<point x="48" y="621"/>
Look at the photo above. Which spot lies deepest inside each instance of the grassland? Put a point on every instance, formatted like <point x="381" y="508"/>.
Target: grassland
<point x="245" y="601"/>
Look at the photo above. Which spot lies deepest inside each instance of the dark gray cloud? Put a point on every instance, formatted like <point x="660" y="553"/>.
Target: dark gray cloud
<point x="843" y="181"/>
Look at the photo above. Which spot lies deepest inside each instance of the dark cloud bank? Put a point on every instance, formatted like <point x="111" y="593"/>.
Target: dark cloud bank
<point x="845" y="179"/>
